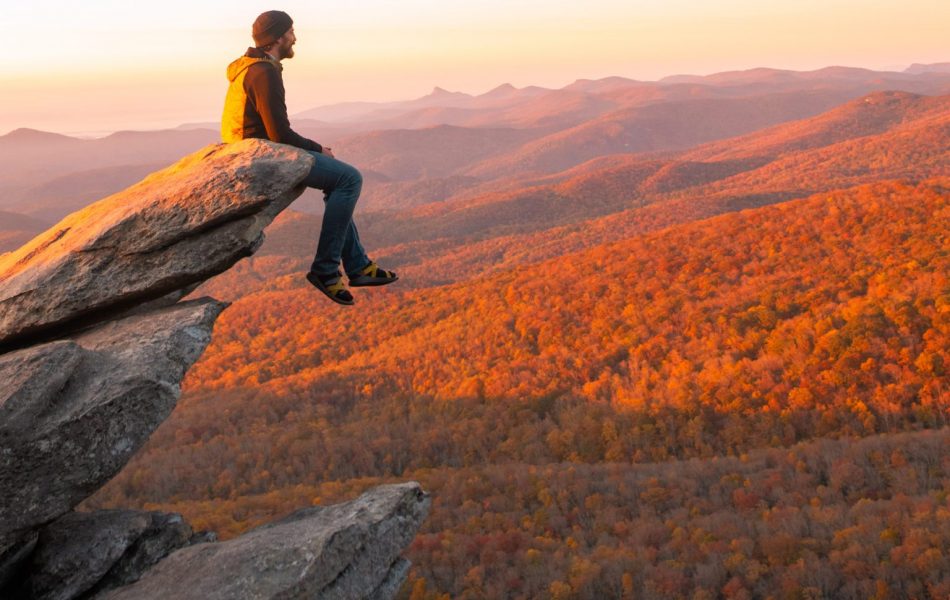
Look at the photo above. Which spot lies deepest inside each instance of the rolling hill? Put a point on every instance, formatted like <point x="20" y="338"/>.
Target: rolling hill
<point x="57" y="197"/>
<point x="532" y="106"/>
<point x="615" y="197"/>
<point x="412" y="168"/>
<point x="821" y="317"/>
<point x="719" y="368"/>
<point x="440" y="151"/>
<point x="656" y="127"/>
<point x="31" y="159"/>
<point x="871" y="114"/>
<point x="17" y="229"/>
<point x="826" y="518"/>
<point x="910" y="143"/>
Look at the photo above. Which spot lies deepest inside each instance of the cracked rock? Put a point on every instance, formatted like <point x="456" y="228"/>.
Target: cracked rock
<point x="345" y="551"/>
<point x="74" y="411"/>
<point x="84" y="551"/>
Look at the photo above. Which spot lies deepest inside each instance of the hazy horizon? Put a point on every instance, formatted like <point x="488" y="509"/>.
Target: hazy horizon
<point x="97" y="69"/>
<point x="172" y="122"/>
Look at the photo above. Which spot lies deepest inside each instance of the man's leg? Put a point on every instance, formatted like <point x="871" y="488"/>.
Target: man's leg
<point x="341" y="184"/>
<point x="360" y="270"/>
<point x="354" y="255"/>
<point x="339" y="240"/>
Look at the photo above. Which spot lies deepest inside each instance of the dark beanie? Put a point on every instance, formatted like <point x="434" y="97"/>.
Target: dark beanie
<point x="269" y="26"/>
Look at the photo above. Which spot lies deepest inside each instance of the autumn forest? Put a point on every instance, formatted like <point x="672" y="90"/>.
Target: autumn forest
<point x="683" y="340"/>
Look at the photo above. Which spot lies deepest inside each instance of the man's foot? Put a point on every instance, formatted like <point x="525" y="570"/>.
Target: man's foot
<point x="332" y="286"/>
<point x="371" y="274"/>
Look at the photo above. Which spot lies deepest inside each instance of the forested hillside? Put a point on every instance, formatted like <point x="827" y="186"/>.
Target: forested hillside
<point x="822" y="317"/>
<point x="631" y="194"/>
<point x="675" y="339"/>
<point x="849" y="519"/>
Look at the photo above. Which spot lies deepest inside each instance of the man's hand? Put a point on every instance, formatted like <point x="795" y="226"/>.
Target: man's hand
<point x="328" y="152"/>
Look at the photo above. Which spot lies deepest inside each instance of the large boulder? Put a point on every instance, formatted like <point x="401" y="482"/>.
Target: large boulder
<point x="177" y="227"/>
<point x="80" y="552"/>
<point x="12" y="562"/>
<point x="94" y="342"/>
<point x="165" y="533"/>
<point x="344" y="551"/>
<point x="74" y="411"/>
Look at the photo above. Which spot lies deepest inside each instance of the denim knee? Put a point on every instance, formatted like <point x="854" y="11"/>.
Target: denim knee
<point x="351" y="177"/>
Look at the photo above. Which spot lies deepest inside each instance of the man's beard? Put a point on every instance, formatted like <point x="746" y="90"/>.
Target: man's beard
<point x="287" y="52"/>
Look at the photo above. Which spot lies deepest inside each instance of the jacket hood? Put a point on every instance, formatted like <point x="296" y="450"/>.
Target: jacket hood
<point x="252" y="56"/>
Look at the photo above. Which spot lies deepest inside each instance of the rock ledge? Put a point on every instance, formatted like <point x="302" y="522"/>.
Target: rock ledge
<point x="94" y="343"/>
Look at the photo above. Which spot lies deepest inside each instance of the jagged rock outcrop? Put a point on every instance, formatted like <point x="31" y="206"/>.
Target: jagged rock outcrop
<point x="335" y="552"/>
<point x="177" y="227"/>
<point x="13" y="560"/>
<point x="74" y="411"/>
<point x="94" y="342"/>
<point x="83" y="552"/>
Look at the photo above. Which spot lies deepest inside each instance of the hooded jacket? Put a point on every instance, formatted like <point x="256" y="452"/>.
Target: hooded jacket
<point x="254" y="106"/>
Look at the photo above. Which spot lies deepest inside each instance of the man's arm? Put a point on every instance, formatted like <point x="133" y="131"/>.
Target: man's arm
<point x="265" y="88"/>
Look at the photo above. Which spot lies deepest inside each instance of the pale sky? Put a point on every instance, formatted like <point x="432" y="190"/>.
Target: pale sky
<point x="100" y="65"/>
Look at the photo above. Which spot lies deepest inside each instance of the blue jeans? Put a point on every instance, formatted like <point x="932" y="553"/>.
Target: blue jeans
<point x="339" y="240"/>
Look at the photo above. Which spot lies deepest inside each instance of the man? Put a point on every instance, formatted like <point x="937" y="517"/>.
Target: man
<point x="255" y="108"/>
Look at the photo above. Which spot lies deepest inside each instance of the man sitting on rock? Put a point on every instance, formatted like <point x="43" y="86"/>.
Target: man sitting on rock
<point x="255" y="108"/>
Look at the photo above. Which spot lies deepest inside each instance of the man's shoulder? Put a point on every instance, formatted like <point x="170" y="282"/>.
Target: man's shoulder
<point x="257" y="59"/>
<point x="254" y="63"/>
<point x="265" y="66"/>
<point x="263" y="70"/>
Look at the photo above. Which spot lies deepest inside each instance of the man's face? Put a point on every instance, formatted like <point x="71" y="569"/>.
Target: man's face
<point x="285" y="44"/>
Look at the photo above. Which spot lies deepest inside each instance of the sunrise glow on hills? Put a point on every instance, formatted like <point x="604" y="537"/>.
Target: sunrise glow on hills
<point x="672" y="317"/>
<point x="781" y="286"/>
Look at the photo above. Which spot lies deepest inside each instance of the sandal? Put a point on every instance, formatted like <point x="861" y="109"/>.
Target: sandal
<point x="371" y="274"/>
<point x="332" y="286"/>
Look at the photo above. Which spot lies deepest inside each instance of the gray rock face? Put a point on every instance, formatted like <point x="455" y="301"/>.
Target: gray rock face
<point x="94" y="343"/>
<point x="75" y="551"/>
<point x="13" y="562"/>
<point x="344" y="551"/>
<point x="176" y="227"/>
<point x="166" y="532"/>
<point x="73" y="412"/>
<point x="80" y="552"/>
<point x="393" y="581"/>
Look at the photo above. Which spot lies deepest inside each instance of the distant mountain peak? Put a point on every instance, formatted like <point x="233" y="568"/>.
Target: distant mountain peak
<point x="26" y="134"/>
<point x="23" y="131"/>
<point x="505" y="89"/>
<point x="442" y="95"/>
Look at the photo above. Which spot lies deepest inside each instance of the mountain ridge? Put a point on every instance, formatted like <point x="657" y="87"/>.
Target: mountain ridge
<point x="775" y="288"/>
